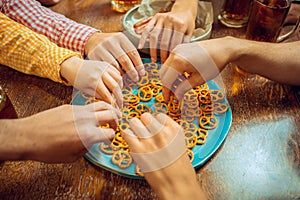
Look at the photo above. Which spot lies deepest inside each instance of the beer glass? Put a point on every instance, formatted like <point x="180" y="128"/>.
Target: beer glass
<point x="235" y="13"/>
<point x="266" y="20"/>
<point x="123" y="5"/>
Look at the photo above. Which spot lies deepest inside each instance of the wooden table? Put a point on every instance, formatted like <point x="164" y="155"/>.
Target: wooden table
<point x="260" y="159"/>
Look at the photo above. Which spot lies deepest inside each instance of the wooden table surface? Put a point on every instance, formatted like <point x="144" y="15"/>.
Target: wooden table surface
<point x="260" y="159"/>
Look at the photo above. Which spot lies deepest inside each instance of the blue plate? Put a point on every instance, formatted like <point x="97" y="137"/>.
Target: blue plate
<point x="202" y="153"/>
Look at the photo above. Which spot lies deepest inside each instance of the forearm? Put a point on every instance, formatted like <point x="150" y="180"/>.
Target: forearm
<point x="275" y="61"/>
<point x="11" y="140"/>
<point x="175" y="184"/>
<point x="29" y="52"/>
<point x="64" y="32"/>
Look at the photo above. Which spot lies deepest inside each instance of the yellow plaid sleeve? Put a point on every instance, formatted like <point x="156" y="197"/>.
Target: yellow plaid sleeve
<point x="29" y="52"/>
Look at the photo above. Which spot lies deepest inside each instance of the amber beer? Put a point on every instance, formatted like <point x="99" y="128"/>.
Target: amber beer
<point x="235" y="13"/>
<point x="266" y="19"/>
<point x="124" y="5"/>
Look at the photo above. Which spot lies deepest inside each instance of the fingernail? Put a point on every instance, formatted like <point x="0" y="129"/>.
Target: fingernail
<point x="142" y="72"/>
<point x="140" y="46"/>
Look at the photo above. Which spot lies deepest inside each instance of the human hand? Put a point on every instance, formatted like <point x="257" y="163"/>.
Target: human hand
<point x="203" y="61"/>
<point x="49" y="139"/>
<point x="95" y="78"/>
<point x="117" y="50"/>
<point x="157" y="145"/>
<point x="166" y="30"/>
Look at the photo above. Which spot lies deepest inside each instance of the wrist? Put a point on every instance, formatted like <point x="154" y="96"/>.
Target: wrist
<point x="69" y="69"/>
<point x="188" y="7"/>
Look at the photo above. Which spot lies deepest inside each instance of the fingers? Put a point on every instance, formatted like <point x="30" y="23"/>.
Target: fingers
<point x="138" y="128"/>
<point x="127" y="66"/>
<point x="187" y="84"/>
<point x="137" y="61"/>
<point x="168" y="79"/>
<point x="151" y="123"/>
<point x="145" y="33"/>
<point x="101" y="135"/>
<point x="114" y="87"/>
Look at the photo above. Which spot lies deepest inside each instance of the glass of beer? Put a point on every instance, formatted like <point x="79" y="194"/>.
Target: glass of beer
<point x="123" y="5"/>
<point x="235" y="13"/>
<point x="266" y="20"/>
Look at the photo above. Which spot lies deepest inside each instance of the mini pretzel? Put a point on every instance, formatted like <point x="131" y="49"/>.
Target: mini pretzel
<point x="220" y="108"/>
<point x="127" y="90"/>
<point x="133" y="114"/>
<point x="123" y="127"/>
<point x="185" y="125"/>
<point x="131" y="99"/>
<point x="192" y="128"/>
<point x="145" y="93"/>
<point x="160" y="98"/>
<point x="143" y="81"/>
<point x="208" y="122"/>
<point x="217" y="95"/>
<point x="156" y="82"/>
<point x="190" y="154"/>
<point x="190" y="139"/>
<point x="142" y="108"/>
<point x="161" y="107"/>
<point x="122" y="159"/>
<point x="207" y="107"/>
<point x="151" y="66"/>
<point x="106" y="148"/>
<point x="204" y="97"/>
<point x="201" y="136"/>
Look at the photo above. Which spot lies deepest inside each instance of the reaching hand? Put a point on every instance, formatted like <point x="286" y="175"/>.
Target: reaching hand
<point x="95" y="78"/>
<point x="117" y="50"/>
<point x="65" y="133"/>
<point x="166" y="30"/>
<point x="157" y="146"/>
<point x="203" y="61"/>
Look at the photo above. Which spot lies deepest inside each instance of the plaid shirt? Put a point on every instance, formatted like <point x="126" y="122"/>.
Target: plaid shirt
<point x="30" y="52"/>
<point x="59" y="29"/>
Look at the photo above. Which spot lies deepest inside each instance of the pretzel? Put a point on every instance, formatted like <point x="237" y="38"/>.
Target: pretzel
<point x="204" y="97"/>
<point x="190" y="139"/>
<point x="201" y="136"/>
<point x="145" y="93"/>
<point x="131" y="99"/>
<point x="121" y="158"/>
<point x="151" y="66"/>
<point x="220" y="108"/>
<point x="142" y="108"/>
<point x="127" y="90"/>
<point x="160" y="98"/>
<point x="161" y="108"/>
<point x="208" y="122"/>
<point x="185" y="125"/>
<point x="217" y="95"/>
<point x="106" y="148"/>
<point x="190" y="154"/>
<point x="133" y="114"/>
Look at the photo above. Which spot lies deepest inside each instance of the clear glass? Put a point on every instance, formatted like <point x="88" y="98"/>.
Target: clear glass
<point x="235" y="13"/>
